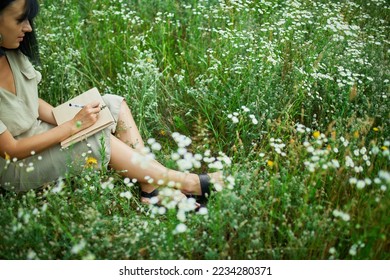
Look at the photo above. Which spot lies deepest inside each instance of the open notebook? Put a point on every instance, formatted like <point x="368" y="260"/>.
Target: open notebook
<point x="65" y="112"/>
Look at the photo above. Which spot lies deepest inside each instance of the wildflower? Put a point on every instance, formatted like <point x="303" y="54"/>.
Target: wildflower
<point x="335" y="163"/>
<point x="175" y="156"/>
<point x="30" y="167"/>
<point x="349" y="162"/>
<point x="31" y="255"/>
<point x="89" y="256"/>
<point x="344" y="216"/>
<point x="180" y="228"/>
<point x="216" y="164"/>
<point x="181" y="140"/>
<point x="316" y="134"/>
<point x="108" y="184"/>
<point x="356" y="134"/>
<point x="90" y="162"/>
<point x="368" y="181"/>
<point x="78" y="247"/>
<point x="127" y="195"/>
<point x="143" y="158"/>
<point x="149" y="179"/>
<point x="162" y="210"/>
<point x="375" y="129"/>
<point x="352" y="250"/>
<point x="184" y="164"/>
<point x="358" y="169"/>
<point x="151" y="141"/>
<point x="58" y="188"/>
<point x="160" y="182"/>
<point x="181" y="215"/>
<point x="360" y="184"/>
<point x="270" y="163"/>
<point x="300" y="128"/>
<point x="156" y="147"/>
<point x="385" y="175"/>
<point x="253" y="118"/>
<point x="203" y="211"/>
<point x="245" y="109"/>
<point x="230" y="182"/>
<point x="162" y="132"/>
<point x="310" y="149"/>
<point x="44" y="207"/>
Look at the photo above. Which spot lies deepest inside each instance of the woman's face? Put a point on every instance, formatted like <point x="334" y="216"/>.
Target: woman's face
<point x="13" y="26"/>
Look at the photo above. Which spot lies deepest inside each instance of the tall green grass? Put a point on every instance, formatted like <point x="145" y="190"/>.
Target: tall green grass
<point x="296" y="93"/>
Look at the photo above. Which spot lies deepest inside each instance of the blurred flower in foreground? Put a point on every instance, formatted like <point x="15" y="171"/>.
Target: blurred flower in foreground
<point x="90" y="162"/>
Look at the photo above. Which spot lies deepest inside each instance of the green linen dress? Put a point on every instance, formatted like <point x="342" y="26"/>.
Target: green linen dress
<point x="19" y="115"/>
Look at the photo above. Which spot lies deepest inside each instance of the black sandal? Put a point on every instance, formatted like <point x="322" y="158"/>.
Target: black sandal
<point x="149" y="195"/>
<point x="204" y="187"/>
<point x="201" y="199"/>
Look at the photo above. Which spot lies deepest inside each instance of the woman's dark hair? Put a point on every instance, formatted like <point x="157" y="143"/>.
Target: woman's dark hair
<point x="29" y="46"/>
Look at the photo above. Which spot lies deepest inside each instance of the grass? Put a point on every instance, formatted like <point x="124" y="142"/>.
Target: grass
<point x="295" y="93"/>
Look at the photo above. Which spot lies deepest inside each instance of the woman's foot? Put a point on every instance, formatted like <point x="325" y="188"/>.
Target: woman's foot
<point x="199" y="186"/>
<point x="194" y="185"/>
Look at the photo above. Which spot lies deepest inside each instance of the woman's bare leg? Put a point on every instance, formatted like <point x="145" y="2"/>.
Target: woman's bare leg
<point x="128" y="142"/>
<point x="123" y="159"/>
<point x="127" y="130"/>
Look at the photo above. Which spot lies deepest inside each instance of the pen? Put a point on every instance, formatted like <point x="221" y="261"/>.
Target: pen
<point x="82" y="106"/>
<point x="76" y="105"/>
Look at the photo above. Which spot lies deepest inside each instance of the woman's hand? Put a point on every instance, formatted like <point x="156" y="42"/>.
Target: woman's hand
<point x="86" y="117"/>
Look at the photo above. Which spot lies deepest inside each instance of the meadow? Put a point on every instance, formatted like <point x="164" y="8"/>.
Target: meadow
<point x="290" y="99"/>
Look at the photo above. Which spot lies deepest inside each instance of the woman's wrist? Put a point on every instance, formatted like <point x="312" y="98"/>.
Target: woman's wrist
<point x="72" y="127"/>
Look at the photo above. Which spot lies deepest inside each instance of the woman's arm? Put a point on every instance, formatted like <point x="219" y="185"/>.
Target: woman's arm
<point x="45" y="112"/>
<point x="23" y="148"/>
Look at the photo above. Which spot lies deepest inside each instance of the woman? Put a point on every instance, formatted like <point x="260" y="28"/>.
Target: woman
<point x="29" y="133"/>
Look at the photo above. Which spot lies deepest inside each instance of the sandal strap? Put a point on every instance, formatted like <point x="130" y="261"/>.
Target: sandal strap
<point x="204" y="184"/>
<point x="149" y="195"/>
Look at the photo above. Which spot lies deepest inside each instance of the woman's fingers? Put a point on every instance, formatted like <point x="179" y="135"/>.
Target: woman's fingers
<point x="88" y="115"/>
<point x="93" y="107"/>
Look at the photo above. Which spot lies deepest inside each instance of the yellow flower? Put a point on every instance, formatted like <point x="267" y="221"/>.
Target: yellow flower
<point x="375" y="129"/>
<point x="7" y="157"/>
<point x="316" y="134"/>
<point x="90" y="162"/>
<point x="356" y="134"/>
<point x="385" y="148"/>
<point x="270" y="163"/>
